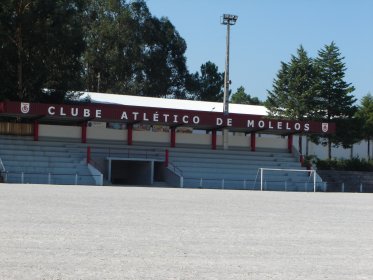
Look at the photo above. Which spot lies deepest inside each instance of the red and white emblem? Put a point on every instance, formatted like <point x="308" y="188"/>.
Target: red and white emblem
<point x="325" y="127"/>
<point x="25" y="107"/>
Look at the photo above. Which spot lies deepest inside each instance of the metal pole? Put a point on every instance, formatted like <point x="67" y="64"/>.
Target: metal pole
<point x="228" y="20"/>
<point x="314" y="181"/>
<point x="226" y="74"/>
<point x="261" y="179"/>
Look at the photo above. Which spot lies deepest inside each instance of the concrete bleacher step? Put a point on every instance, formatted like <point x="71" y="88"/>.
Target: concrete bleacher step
<point x="238" y="169"/>
<point x="44" y="162"/>
<point x="193" y="154"/>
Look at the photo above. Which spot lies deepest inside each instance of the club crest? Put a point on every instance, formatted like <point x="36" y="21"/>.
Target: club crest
<point x="25" y="107"/>
<point x="325" y="127"/>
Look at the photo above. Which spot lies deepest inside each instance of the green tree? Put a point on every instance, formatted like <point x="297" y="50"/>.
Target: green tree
<point x="334" y="99"/>
<point x="207" y="86"/>
<point x="365" y="114"/>
<point x="41" y="44"/>
<point x="131" y="52"/>
<point x="294" y="88"/>
<point x="240" y="97"/>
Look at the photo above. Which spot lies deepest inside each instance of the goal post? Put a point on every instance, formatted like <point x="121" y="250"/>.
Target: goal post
<point x="312" y="175"/>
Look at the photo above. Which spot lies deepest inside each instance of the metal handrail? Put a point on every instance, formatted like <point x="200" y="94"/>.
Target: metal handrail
<point x="97" y="165"/>
<point x="133" y="152"/>
<point x="175" y="168"/>
<point x="2" y="167"/>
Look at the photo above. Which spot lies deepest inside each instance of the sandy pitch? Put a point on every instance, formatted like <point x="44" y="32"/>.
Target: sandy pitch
<point x="85" y="232"/>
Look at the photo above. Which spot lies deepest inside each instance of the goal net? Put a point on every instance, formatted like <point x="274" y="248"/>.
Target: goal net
<point x="286" y="179"/>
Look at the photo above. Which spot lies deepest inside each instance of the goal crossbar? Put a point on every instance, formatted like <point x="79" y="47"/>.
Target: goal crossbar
<point x="313" y="172"/>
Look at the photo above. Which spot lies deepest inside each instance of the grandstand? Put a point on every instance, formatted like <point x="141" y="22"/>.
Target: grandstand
<point x="58" y="161"/>
<point x="130" y="141"/>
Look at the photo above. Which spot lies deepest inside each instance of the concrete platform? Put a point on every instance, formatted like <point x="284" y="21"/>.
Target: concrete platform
<point x="91" y="232"/>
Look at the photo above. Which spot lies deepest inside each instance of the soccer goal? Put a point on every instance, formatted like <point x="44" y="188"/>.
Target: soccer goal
<point x="271" y="176"/>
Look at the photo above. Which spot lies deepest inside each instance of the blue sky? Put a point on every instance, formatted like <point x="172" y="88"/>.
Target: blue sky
<point x="270" y="31"/>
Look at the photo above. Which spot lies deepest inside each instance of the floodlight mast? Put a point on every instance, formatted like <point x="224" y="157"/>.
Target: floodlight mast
<point x="227" y="20"/>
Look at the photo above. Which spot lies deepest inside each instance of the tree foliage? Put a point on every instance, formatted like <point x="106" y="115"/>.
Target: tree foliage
<point x="307" y="88"/>
<point x="41" y="43"/>
<point x="365" y="115"/>
<point x="207" y="85"/>
<point x="48" y="48"/>
<point x="240" y="97"/>
<point x="294" y="88"/>
<point x="334" y="101"/>
<point x="129" y="51"/>
<point x="334" y="98"/>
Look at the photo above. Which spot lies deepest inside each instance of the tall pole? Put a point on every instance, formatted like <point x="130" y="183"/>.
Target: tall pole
<point x="226" y="74"/>
<point x="227" y="20"/>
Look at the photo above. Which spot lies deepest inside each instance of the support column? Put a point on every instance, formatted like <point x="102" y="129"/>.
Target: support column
<point x="129" y="133"/>
<point x="213" y="139"/>
<point x="225" y="138"/>
<point x="300" y="148"/>
<point x="36" y="131"/>
<point x="290" y="142"/>
<point x="253" y="141"/>
<point x="84" y="132"/>
<point x="173" y="137"/>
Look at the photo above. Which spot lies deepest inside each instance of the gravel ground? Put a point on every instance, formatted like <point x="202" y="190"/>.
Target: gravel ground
<point x="87" y="232"/>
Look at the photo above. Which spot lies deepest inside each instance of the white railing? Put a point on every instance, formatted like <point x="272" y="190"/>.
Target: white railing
<point x="49" y="178"/>
<point x="219" y="183"/>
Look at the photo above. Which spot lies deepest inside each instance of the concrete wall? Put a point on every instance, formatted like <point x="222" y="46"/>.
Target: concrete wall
<point x="103" y="133"/>
<point x="190" y="138"/>
<point x="276" y="142"/>
<point x="236" y="140"/>
<point x="149" y="136"/>
<point x="61" y="131"/>
<point x="239" y="140"/>
<point x="359" y="150"/>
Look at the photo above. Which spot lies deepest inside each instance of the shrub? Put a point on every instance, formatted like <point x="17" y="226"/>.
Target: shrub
<point x="354" y="164"/>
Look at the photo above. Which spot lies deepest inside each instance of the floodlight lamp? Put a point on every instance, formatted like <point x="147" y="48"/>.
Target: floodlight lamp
<point x="229" y="19"/>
